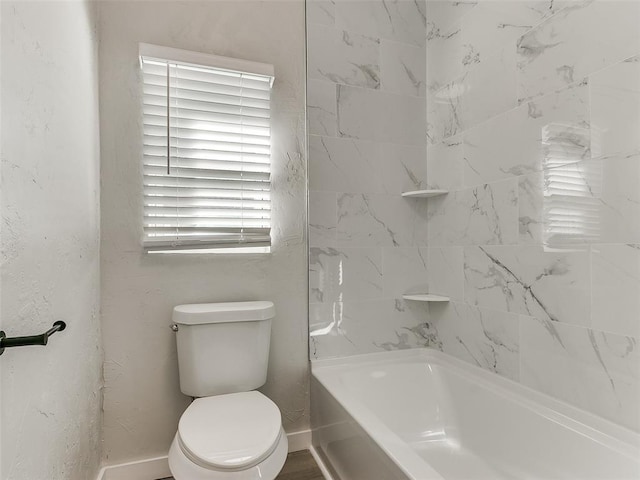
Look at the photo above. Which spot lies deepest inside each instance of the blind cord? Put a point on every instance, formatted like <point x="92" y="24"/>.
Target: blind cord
<point x="168" y="121"/>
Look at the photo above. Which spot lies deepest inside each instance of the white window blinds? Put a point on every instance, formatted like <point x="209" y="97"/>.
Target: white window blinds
<point x="207" y="141"/>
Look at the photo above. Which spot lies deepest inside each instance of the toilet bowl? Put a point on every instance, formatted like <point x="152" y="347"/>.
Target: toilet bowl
<point x="238" y="436"/>
<point x="230" y="431"/>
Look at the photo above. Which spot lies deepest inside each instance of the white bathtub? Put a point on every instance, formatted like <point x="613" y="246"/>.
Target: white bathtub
<point x="421" y="414"/>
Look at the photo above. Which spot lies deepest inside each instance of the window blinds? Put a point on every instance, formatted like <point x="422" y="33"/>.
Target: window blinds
<point x="206" y="145"/>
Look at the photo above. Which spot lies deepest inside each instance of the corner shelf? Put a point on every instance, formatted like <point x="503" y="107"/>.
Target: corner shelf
<point x="425" y="297"/>
<point x="424" y="193"/>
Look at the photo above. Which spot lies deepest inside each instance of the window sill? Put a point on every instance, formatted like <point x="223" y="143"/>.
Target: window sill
<point x="216" y="251"/>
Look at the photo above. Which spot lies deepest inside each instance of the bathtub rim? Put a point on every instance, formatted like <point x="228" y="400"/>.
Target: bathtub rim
<point x="408" y="461"/>
<point x="605" y="432"/>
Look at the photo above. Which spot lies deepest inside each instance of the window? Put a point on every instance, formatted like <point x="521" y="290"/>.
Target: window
<point x="207" y="142"/>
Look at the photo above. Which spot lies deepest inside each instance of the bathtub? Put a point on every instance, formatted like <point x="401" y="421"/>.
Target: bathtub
<point x="420" y="414"/>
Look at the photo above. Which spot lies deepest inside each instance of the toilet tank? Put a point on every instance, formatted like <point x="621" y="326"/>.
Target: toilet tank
<point x="223" y="347"/>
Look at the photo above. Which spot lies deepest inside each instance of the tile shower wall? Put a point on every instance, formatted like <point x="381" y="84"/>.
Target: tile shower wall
<point x="533" y="113"/>
<point x="367" y="144"/>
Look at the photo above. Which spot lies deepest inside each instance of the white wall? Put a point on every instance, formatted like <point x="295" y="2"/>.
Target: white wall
<point x="1" y="155"/>
<point x="142" y="397"/>
<point x="51" y="399"/>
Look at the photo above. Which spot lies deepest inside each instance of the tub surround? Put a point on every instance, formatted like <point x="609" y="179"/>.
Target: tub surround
<point x="532" y="114"/>
<point x="366" y="120"/>
<point x="556" y="311"/>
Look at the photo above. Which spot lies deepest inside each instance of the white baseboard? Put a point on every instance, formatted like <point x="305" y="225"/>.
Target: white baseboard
<point x="299" y="440"/>
<point x="148" y="469"/>
<point x="154" y="468"/>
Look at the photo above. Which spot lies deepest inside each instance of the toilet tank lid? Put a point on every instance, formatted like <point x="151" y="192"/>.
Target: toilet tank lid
<point x="202" y="313"/>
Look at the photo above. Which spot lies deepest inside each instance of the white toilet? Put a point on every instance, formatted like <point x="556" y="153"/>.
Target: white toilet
<point x="229" y="432"/>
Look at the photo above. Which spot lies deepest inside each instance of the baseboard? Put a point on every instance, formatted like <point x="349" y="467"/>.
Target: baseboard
<point x="299" y="440"/>
<point x="323" y="468"/>
<point x="154" y="468"/>
<point x="149" y="469"/>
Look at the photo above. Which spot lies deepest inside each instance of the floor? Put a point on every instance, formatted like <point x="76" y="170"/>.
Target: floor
<point x="299" y="466"/>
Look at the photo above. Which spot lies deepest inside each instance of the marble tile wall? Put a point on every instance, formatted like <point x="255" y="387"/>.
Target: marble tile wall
<point x="366" y="95"/>
<point x="533" y="124"/>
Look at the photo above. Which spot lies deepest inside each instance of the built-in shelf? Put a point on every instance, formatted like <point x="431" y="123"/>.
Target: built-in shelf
<point x="424" y="193"/>
<point x="425" y="297"/>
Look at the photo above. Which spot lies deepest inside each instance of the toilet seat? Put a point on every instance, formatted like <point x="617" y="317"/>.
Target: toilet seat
<point x="230" y="432"/>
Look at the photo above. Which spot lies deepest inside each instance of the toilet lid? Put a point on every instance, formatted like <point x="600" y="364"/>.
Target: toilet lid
<point x="230" y="431"/>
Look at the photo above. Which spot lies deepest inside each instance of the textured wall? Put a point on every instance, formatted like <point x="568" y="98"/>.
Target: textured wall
<point x="366" y="89"/>
<point x="142" y="397"/>
<point x="51" y="398"/>
<point x="523" y="96"/>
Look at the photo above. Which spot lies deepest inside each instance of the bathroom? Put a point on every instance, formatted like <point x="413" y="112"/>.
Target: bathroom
<point x="498" y="298"/>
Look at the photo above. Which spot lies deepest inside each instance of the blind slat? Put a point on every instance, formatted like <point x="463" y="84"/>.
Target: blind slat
<point x="192" y="132"/>
<point x="187" y="165"/>
<point x="186" y="124"/>
<point x="215" y="113"/>
<point x="238" y="194"/>
<point x="227" y="112"/>
<point x="231" y="241"/>
<point x="196" y="157"/>
<point x="202" y="173"/>
<point x="209" y="232"/>
<point x="204" y="145"/>
<point x="198" y="212"/>
<point x="174" y="181"/>
<point x="242" y="89"/>
<point x="206" y="97"/>
<point x="157" y="115"/>
<point x="180" y="202"/>
<point x="212" y="77"/>
<point x="205" y="223"/>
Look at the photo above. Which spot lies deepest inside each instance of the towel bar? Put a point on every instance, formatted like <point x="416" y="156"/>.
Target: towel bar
<point x="7" y="342"/>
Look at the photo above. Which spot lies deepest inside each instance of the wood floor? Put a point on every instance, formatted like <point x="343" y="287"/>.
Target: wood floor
<point x="299" y="466"/>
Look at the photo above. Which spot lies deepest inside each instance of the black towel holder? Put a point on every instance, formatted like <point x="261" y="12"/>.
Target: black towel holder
<point x="8" y="342"/>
